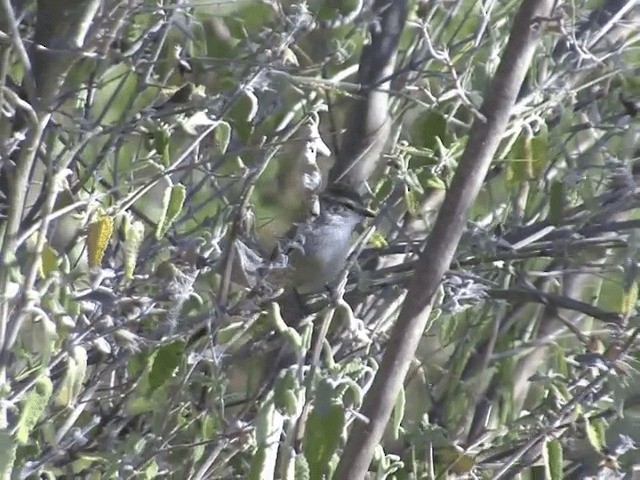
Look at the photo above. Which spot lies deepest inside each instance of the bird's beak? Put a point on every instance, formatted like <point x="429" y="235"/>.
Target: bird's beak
<point x="366" y="212"/>
<point x="360" y="209"/>
<point x="351" y="201"/>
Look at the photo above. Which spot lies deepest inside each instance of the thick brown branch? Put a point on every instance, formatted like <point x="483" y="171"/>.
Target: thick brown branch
<point x="368" y="124"/>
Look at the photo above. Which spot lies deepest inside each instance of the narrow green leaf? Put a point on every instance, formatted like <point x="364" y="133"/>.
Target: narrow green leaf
<point x="519" y="167"/>
<point x="324" y="429"/>
<point x="49" y="261"/>
<point x="133" y="236"/>
<point x="410" y="202"/>
<point x="285" y="393"/>
<point x="456" y="459"/>
<point x="398" y="414"/>
<point x="552" y="457"/>
<point x="74" y="377"/>
<point x="161" y="142"/>
<point x="176" y="202"/>
<point x="7" y="454"/>
<point x="65" y="395"/>
<point x="80" y="356"/>
<point x="629" y="298"/>
<point x="172" y="204"/>
<point x="222" y="136"/>
<point x="151" y="471"/>
<point x="34" y="405"/>
<point x="269" y="425"/>
<point x="45" y="335"/>
<point x="595" y="435"/>
<point x="274" y="317"/>
<point x="561" y="361"/>
<point x="539" y="150"/>
<point x="258" y="460"/>
<point x="301" y="468"/>
<point x="435" y="183"/>
<point x="245" y="107"/>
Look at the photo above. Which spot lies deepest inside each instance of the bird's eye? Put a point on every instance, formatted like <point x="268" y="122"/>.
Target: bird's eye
<point x="335" y="208"/>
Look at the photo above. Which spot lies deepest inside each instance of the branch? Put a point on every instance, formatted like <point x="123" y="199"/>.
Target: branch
<point x="532" y="295"/>
<point x="368" y="121"/>
<point x="435" y="259"/>
<point x="60" y="34"/>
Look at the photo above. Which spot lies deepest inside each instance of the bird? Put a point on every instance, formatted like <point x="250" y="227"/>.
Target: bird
<point x="319" y="246"/>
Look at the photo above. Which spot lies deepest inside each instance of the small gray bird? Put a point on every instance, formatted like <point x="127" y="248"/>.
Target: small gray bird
<point x="317" y="251"/>
<point x="319" y="246"/>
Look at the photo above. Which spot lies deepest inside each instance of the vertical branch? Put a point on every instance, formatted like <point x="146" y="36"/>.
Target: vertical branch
<point x="61" y="29"/>
<point x="368" y="123"/>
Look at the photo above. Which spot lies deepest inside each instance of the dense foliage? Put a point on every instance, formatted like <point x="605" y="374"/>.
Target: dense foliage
<point x="152" y="154"/>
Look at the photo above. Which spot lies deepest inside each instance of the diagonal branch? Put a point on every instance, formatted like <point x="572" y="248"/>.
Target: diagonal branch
<point x="435" y="259"/>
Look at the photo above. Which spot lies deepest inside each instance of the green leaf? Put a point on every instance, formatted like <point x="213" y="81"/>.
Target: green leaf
<point x="274" y="317"/>
<point x="44" y="336"/>
<point x="34" y="405"/>
<point x="539" y="150"/>
<point x="435" y="183"/>
<point x="74" y="377"/>
<point x="258" y="461"/>
<point x="324" y="429"/>
<point x="377" y="240"/>
<point x="151" y="471"/>
<point x="552" y="457"/>
<point x="520" y="165"/>
<point x="80" y="356"/>
<point x="301" y="468"/>
<point x="427" y="129"/>
<point x="133" y="236"/>
<point x="269" y="425"/>
<point x="561" y="361"/>
<point x="285" y="393"/>
<point x="245" y="107"/>
<point x="595" y="434"/>
<point x="172" y="204"/>
<point x="254" y="15"/>
<point x="165" y="362"/>
<point x="118" y="81"/>
<point x="64" y="397"/>
<point x="208" y="426"/>
<point x="87" y="463"/>
<point x="456" y="459"/>
<point x="222" y="137"/>
<point x="49" y="261"/>
<point x="137" y="363"/>
<point x="7" y="454"/>
<point x="230" y="332"/>
<point x="398" y="414"/>
<point x="411" y="202"/>
<point x="236" y="27"/>
<point x="629" y="298"/>
<point x="161" y="142"/>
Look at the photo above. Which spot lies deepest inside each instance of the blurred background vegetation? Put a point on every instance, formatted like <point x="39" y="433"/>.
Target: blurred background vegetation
<point x="152" y="153"/>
